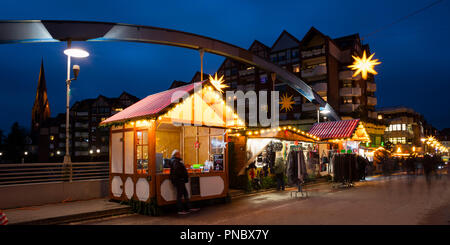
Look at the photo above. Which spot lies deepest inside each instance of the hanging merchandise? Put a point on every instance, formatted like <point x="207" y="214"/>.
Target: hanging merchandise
<point x="292" y="168"/>
<point x="348" y="168"/>
<point x="271" y="150"/>
<point x="302" y="166"/>
<point x="296" y="166"/>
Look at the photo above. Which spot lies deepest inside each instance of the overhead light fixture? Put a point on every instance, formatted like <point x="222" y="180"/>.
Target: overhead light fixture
<point x="76" y="52"/>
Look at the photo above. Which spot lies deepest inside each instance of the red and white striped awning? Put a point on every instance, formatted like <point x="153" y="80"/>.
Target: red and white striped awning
<point x="334" y="129"/>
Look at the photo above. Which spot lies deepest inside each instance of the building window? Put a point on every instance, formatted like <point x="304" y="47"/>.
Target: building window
<point x="348" y="100"/>
<point x="398" y="140"/>
<point x="142" y="151"/>
<point x="282" y="56"/>
<point x="409" y="128"/>
<point x="263" y="78"/>
<point x="347" y="84"/>
<point x="296" y="68"/>
<point x="294" y="53"/>
<point x="52" y="137"/>
<point x="377" y="140"/>
<point x="273" y="58"/>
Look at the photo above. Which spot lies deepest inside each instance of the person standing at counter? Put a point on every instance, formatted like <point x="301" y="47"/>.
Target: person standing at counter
<point x="179" y="177"/>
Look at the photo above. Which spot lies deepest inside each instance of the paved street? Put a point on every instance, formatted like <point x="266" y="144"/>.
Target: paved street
<point x="377" y="201"/>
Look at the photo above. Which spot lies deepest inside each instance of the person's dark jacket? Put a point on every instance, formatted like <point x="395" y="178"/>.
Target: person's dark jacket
<point x="178" y="172"/>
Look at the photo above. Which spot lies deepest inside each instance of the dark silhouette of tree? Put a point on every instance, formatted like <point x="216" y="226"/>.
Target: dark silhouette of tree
<point x="15" y="143"/>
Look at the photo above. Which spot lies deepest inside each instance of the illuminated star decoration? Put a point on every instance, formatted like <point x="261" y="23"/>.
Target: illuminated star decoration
<point x="364" y="65"/>
<point x="218" y="82"/>
<point x="286" y="102"/>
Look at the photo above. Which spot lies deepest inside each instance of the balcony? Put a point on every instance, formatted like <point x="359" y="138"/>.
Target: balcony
<point x="316" y="71"/>
<point x="371" y="87"/>
<point x="81" y="125"/>
<point x="246" y="72"/>
<point x="372" y="101"/>
<point x="320" y="87"/>
<point x="81" y="144"/>
<point x="348" y="107"/>
<point x="350" y="92"/>
<point x="309" y="107"/>
<point x="313" y="52"/>
<point x="348" y="75"/>
<point x="81" y="134"/>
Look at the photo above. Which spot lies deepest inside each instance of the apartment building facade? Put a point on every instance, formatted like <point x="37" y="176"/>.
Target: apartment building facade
<point x="405" y="128"/>
<point x="88" y="142"/>
<point x="319" y="61"/>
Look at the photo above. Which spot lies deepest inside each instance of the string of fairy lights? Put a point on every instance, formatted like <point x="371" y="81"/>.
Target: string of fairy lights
<point x="266" y="131"/>
<point x="433" y="142"/>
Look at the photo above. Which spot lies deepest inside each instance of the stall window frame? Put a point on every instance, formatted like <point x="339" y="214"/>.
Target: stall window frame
<point x="136" y="130"/>
<point x="209" y="146"/>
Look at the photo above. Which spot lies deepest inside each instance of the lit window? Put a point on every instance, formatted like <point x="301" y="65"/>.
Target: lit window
<point x="348" y="100"/>
<point x="263" y="78"/>
<point x="347" y="83"/>
<point x="296" y="68"/>
<point x="142" y="151"/>
<point x="52" y="137"/>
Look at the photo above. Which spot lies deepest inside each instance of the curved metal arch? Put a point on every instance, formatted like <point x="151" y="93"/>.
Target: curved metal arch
<point x="30" y="31"/>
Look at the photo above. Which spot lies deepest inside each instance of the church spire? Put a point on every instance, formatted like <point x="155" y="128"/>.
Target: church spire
<point x="41" y="107"/>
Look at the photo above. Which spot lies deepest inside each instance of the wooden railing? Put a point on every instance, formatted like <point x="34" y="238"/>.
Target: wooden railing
<point x="26" y="173"/>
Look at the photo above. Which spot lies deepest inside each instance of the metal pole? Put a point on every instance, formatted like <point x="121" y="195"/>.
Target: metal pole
<point x="67" y="155"/>
<point x="318" y="114"/>
<point x="202" y="52"/>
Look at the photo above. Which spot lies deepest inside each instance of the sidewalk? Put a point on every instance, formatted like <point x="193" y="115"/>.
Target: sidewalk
<point x="60" y="213"/>
<point x="234" y="193"/>
<point x="70" y="212"/>
<point x="63" y="213"/>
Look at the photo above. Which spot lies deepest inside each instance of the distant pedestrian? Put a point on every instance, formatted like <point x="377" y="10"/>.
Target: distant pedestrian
<point x="280" y="168"/>
<point x="410" y="168"/>
<point x="428" y="163"/>
<point x="179" y="177"/>
<point x="387" y="167"/>
<point x="3" y="219"/>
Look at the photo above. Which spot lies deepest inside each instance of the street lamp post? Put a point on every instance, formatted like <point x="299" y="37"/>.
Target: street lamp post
<point x="323" y="111"/>
<point x="77" y="53"/>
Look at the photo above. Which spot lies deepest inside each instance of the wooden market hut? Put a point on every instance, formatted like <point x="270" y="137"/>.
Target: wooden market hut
<point x="192" y="119"/>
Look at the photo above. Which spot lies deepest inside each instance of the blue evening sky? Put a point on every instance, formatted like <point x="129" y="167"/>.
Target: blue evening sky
<point x="414" y="52"/>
